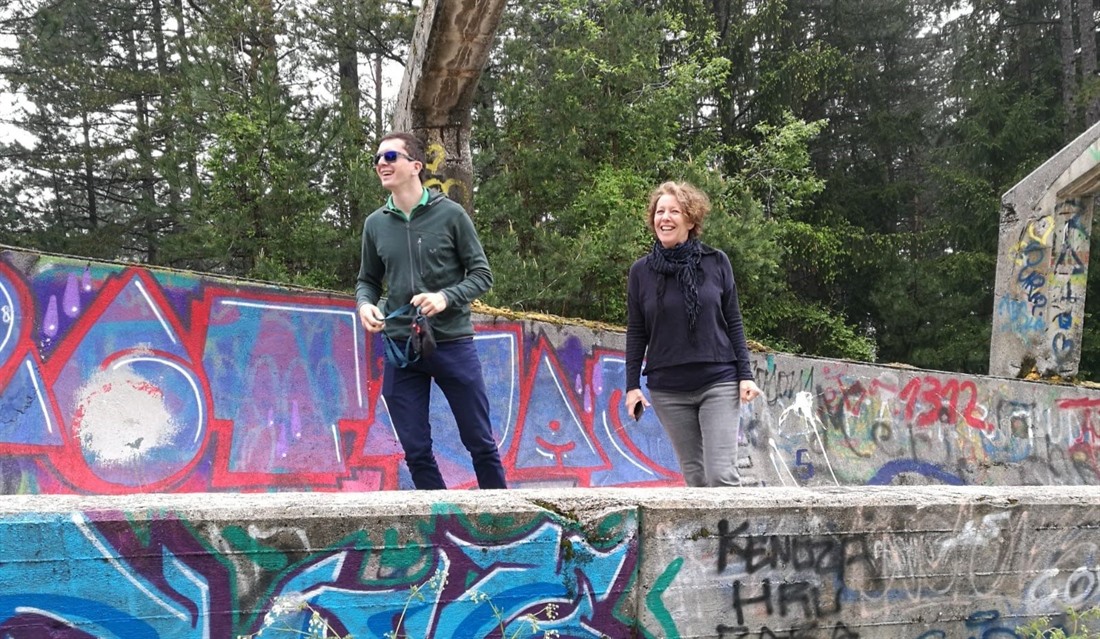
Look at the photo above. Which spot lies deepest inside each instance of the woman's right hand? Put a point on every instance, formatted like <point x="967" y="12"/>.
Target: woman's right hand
<point x="632" y="398"/>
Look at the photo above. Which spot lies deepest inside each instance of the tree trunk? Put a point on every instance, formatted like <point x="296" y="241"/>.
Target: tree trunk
<point x="89" y="173"/>
<point x="1086" y="27"/>
<point x="265" y="51"/>
<point x="144" y="174"/>
<point x="187" y="119"/>
<point x="163" y="73"/>
<point x="378" y="125"/>
<point x="347" y="54"/>
<point x="1069" y="68"/>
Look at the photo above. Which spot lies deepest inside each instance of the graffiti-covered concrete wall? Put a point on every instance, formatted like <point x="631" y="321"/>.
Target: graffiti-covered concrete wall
<point x="1043" y="264"/>
<point x="117" y="379"/>
<point x="838" y="423"/>
<point x="673" y="563"/>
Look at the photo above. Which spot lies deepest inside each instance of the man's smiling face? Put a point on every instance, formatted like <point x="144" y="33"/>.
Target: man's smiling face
<point x="399" y="171"/>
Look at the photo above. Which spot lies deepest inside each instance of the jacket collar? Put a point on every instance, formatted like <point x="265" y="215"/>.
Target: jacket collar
<point x="424" y="197"/>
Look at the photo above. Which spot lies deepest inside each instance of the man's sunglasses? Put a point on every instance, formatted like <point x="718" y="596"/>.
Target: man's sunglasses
<point x="390" y="157"/>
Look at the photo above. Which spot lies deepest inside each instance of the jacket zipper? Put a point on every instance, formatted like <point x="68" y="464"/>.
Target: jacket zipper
<point x="408" y="233"/>
<point x="419" y="241"/>
<point x="420" y="256"/>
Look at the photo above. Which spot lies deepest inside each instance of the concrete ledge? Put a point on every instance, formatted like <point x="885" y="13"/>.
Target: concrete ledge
<point x="666" y="562"/>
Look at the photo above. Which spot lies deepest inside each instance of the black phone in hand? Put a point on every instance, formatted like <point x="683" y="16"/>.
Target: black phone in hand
<point x="639" y="408"/>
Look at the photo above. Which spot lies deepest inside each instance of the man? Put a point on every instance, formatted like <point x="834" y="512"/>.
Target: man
<point x="425" y="250"/>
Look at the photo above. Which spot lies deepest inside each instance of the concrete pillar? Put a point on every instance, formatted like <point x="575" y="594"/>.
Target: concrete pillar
<point x="1042" y="265"/>
<point x="449" y="50"/>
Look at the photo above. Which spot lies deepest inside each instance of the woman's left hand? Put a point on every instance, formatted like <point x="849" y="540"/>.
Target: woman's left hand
<point x="749" y="390"/>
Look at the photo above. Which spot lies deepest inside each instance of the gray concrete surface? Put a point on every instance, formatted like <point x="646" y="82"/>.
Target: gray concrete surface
<point x="870" y="562"/>
<point x="1042" y="264"/>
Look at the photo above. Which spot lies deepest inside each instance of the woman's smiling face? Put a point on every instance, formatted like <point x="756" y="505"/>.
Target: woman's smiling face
<point x="670" y="223"/>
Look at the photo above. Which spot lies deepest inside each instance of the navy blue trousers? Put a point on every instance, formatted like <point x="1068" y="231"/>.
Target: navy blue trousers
<point x="456" y="369"/>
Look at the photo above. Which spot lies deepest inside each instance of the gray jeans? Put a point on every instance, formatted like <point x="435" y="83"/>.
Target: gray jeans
<point x="702" y="426"/>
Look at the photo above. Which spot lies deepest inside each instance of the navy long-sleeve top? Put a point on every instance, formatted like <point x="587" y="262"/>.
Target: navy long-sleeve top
<point x="657" y="329"/>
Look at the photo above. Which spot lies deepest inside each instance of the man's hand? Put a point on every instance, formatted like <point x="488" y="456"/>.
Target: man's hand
<point x="371" y="317"/>
<point x="749" y="390"/>
<point x="429" y="303"/>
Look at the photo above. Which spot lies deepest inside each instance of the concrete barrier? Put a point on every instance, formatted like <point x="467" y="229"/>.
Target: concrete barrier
<point x="125" y="384"/>
<point x="118" y="379"/>
<point x="681" y="563"/>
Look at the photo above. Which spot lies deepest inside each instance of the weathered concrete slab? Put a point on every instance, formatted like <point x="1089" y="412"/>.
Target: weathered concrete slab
<point x="869" y="562"/>
<point x="874" y="562"/>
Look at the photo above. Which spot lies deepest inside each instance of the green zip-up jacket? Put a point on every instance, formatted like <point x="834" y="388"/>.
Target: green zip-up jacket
<point x="434" y="250"/>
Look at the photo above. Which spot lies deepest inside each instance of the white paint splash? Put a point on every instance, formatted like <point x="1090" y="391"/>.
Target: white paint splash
<point x="803" y="407"/>
<point x="978" y="535"/>
<point x="121" y="416"/>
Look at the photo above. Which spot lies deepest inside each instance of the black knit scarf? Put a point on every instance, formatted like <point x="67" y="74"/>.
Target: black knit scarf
<point x="683" y="262"/>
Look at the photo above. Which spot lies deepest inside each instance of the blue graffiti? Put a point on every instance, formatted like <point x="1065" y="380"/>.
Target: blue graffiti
<point x="100" y="579"/>
<point x="45" y="559"/>
<point x="470" y="585"/>
<point x="885" y="475"/>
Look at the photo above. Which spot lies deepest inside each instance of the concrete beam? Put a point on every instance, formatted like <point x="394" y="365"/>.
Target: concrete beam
<point x="450" y="47"/>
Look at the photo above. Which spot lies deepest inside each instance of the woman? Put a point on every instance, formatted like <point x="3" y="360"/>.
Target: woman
<point x="684" y="320"/>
